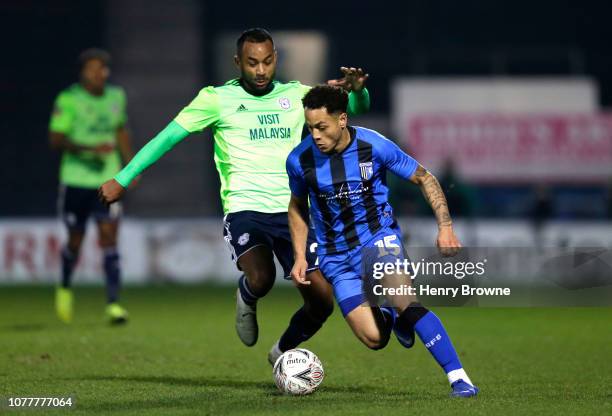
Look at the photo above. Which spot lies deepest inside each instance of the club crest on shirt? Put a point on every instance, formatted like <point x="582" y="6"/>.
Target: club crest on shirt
<point x="366" y="170"/>
<point x="243" y="239"/>
<point x="284" y="103"/>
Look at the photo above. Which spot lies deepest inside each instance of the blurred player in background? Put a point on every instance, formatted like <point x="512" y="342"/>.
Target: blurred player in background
<point x="88" y="125"/>
<point x="342" y="171"/>
<point x="256" y="121"/>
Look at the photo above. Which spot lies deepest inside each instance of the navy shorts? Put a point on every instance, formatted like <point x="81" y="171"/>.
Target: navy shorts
<point x="76" y="205"/>
<point x="244" y="230"/>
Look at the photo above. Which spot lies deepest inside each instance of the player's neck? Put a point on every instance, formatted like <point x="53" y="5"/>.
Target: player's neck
<point x="344" y="141"/>
<point x="257" y="93"/>
<point x="97" y="92"/>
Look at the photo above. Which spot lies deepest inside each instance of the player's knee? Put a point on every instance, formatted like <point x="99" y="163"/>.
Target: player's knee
<point x="319" y="309"/>
<point x="107" y="241"/>
<point x="373" y="340"/>
<point x="74" y="243"/>
<point x="374" y="343"/>
<point x="260" y="282"/>
<point x="74" y="248"/>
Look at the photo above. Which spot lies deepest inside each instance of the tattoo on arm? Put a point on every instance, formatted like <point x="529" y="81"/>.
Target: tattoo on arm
<point x="434" y="195"/>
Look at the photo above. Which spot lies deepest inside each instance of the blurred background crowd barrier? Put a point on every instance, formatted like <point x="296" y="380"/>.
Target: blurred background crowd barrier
<point x="507" y="103"/>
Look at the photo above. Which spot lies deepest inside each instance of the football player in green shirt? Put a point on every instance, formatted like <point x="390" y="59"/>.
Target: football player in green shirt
<point x="88" y="125"/>
<point x="256" y="121"/>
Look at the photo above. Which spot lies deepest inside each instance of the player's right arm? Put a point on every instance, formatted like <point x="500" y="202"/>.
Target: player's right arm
<point x="114" y="189"/>
<point x="298" y="227"/>
<point x="202" y="112"/>
<point x="298" y="219"/>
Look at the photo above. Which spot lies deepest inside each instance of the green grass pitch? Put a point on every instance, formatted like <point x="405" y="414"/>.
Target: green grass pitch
<point x="179" y="355"/>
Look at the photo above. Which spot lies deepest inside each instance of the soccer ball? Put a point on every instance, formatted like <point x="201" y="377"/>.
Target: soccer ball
<point x="298" y="372"/>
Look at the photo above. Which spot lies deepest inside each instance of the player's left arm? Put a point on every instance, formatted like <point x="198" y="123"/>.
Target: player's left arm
<point x="124" y="144"/>
<point x="400" y="163"/>
<point x="354" y="79"/>
<point x="447" y="241"/>
<point x="354" y="82"/>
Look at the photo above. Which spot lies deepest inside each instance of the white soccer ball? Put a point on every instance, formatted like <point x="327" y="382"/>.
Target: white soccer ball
<point x="298" y="372"/>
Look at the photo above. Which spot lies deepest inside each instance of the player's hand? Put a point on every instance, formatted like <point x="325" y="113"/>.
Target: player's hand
<point x="354" y="79"/>
<point x="447" y="242"/>
<point x="110" y="191"/>
<point x="298" y="272"/>
<point x="103" y="149"/>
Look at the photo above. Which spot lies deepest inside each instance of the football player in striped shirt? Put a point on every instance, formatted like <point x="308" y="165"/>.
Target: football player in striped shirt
<point x="341" y="170"/>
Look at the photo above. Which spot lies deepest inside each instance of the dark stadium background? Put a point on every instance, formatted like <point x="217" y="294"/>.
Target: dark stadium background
<point x="431" y="38"/>
<point x="544" y="350"/>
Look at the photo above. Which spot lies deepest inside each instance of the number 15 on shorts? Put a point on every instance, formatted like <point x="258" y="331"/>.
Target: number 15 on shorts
<point x="388" y="245"/>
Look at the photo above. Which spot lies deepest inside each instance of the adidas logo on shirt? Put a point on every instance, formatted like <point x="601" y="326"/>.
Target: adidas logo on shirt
<point x="240" y="108"/>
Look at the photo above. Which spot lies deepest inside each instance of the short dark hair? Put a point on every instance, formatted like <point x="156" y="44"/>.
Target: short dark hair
<point x="255" y="35"/>
<point x="334" y="99"/>
<point x="93" y="53"/>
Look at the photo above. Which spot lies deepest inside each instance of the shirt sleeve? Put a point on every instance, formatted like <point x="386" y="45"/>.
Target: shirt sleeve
<point x="202" y="112"/>
<point x="359" y="102"/>
<point x="296" y="177"/>
<point x="396" y="160"/>
<point x="305" y="89"/>
<point x="62" y="116"/>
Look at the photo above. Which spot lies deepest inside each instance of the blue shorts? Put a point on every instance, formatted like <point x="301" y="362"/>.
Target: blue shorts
<point x="346" y="270"/>
<point x="76" y="205"/>
<point x="245" y="230"/>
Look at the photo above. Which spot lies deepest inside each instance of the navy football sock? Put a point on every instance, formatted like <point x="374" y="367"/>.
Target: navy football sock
<point x="245" y="292"/>
<point x="301" y="328"/>
<point x="69" y="260"/>
<point x="113" y="274"/>
<point x="389" y="316"/>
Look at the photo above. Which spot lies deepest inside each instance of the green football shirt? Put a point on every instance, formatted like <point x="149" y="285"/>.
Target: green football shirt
<point x="89" y="120"/>
<point x="253" y="136"/>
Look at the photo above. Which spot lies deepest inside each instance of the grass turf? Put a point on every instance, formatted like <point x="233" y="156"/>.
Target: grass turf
<point x="179" y="355"/>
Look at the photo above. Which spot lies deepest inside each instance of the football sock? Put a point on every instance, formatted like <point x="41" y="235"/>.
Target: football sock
<point x="113" y="274"/>
<point x="301" y="328"/>
<point x="69" y="260"/>
<point x="430" y="330"/>
<point x="245" y="292"/>
<point x="388" y="315"/>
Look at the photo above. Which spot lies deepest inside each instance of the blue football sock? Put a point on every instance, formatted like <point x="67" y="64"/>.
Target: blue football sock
<point x="430" y="330"/>
<point x="245" y="291"/>
<point x="69" y="260"/>
<point x="113" y="274"/>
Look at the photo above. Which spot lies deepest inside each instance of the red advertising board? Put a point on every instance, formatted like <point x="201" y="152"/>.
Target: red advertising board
<point x="514" y="147"/>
